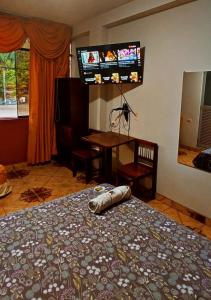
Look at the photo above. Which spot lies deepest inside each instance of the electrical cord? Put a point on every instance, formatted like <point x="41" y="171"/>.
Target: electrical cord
<point x="124" y="117"/>
<point x="114" y="122"/>
<point x="122" y="95"/>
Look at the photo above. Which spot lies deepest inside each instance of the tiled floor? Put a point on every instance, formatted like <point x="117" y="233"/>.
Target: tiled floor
<point x="35" y="185"/>
<point x="182" y="215"/>
<point x="186" y="156"/>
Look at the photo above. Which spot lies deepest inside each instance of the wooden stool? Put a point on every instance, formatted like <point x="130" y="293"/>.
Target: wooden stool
<point x="86" y="156"/>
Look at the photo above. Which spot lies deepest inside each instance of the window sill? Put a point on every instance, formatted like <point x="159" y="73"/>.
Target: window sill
<point x="13" y="118"/>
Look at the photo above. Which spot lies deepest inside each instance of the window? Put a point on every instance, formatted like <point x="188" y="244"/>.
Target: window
<point x="14" y="84"/>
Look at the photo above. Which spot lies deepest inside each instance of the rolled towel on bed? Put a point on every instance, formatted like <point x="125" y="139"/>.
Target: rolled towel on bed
<point x="103" y="201"/>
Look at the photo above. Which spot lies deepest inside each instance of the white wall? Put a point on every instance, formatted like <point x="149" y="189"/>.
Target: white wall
<point x="79" y="42"/>
<point x="190" y="109"/>
<point x="176" y="40"/>
<point x="97" y="104"/>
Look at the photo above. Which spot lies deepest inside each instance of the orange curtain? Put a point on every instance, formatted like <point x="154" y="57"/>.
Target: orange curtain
<point x="49" y="50"/>
<point x="49" y="58"/>
<point x="41" y="143"/>
<point x="12" y="35"/>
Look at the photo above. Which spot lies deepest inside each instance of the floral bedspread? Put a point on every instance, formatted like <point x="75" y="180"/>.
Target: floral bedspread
<point x="60" y="250"/>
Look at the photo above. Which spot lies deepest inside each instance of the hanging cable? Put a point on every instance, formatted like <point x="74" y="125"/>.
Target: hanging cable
<point x="123" y="117"/>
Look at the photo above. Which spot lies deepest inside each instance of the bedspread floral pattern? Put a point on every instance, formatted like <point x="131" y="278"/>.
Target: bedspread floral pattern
<point x="60" y="250"/>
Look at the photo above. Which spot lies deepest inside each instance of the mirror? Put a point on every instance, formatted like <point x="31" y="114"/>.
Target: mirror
<point x="195" y="121"/>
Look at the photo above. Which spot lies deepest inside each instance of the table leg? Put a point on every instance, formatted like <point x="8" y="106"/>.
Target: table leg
<point x="107" y="164"/>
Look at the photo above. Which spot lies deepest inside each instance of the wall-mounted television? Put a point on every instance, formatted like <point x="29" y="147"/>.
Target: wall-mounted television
<point x="112" y="63"/>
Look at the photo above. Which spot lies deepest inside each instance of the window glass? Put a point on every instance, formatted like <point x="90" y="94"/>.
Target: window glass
<point x="14" y="81"/>
<point x="22" y="82"/>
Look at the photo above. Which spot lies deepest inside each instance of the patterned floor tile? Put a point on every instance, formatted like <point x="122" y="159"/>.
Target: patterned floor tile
<point x="59" y="180"/>
<point x="159" y="196"/>
<point x="54" y="197"/>
<point x="2" y="212"/>
<point x="9" y="200"/>
<point x="9" y="210"/>
<point x="35" y="194"/>
<point x="34" y="180"/>
<point x="157" y="204"/>
<point x="206" y="231"/>
<point x="165" y="201"/>
<point x="208" y="221"/>
<point x="17" y="173"/>
<point x="186" y="156"/>
<point x="39" y="172"/>
<point x="181" y="208"/>
<point x="17" y="189"/>
<point x="190" y="222"/>
<point x="63" y="172"/>
<point x="16" y="182"/>
<point x="172" y="214"/>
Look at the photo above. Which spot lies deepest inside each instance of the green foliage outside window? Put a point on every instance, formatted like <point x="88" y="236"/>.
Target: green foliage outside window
<point x="14" y="79"/>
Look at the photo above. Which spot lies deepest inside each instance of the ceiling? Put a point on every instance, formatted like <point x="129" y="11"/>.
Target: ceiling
<point x="65" y="11"/>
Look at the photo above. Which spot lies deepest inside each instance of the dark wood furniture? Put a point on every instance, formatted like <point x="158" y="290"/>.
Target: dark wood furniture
<point x="71" y="115"/>
<point x="107" y="140"/>
<point x="86" y="156"/>
<point x="144" y="165"/>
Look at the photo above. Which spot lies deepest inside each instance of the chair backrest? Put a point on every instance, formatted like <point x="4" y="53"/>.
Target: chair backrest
<point x="146" y="153"/>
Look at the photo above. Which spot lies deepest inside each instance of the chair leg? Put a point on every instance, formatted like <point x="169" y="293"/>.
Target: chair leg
<point x="117" y="179"/>
<point x="120" y="180"/>
<point x="88" y="166"/>
<point x="134" y="187"/>
<point x="154" y="184"/>
<point x="74" y="167"/>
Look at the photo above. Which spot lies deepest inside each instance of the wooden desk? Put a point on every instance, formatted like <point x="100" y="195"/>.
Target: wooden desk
<point x="108" y="140"/>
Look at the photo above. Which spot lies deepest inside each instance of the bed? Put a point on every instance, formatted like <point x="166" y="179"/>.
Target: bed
<point x="60" y="250"/>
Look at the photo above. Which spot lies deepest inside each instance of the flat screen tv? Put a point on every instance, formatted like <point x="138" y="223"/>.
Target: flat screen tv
<point x="112" y="63"/>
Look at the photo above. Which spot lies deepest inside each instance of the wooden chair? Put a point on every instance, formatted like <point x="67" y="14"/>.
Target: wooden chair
<point x="144" y="165"/>
<point x="86" y="155"/>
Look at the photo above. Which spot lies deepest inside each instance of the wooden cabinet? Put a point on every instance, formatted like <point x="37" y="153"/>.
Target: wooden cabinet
<point x="71" y="114"/>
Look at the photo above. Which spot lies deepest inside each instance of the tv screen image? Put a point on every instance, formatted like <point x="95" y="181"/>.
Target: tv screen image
<point x="90" y="57"/>
<point x="112" y="63"/>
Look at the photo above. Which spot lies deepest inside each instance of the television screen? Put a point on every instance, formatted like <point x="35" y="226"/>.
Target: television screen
<point x="113" y="63"/>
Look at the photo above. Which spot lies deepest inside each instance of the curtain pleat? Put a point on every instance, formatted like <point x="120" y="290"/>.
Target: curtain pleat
<point x="49" y="39"/>
<point x="12" y="34"/>
<point x="49" y="58"/>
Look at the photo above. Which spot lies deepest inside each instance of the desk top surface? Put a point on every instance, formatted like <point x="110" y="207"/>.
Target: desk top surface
<point x="108" y="139"/>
